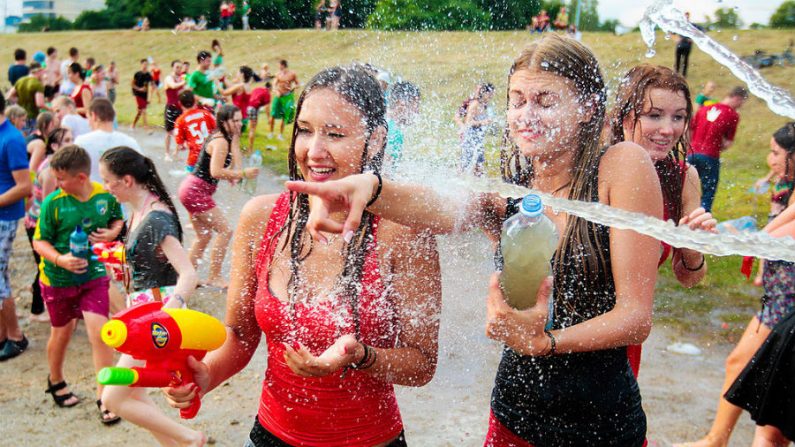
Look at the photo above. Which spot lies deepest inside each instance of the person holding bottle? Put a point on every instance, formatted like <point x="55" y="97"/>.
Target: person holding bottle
<point x="74" y="287"/>
<point x="219" y="159"/>
<point x="777" y="279"/>
<point x="570" y="383"/>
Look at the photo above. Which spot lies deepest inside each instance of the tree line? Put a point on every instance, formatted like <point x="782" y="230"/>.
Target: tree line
<point x="410" y="15"/>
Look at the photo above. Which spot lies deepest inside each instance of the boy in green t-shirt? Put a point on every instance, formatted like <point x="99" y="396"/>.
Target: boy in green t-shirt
<point x="74" y="287"/>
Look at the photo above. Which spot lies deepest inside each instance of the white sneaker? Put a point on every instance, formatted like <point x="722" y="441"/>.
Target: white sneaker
<point x="270" y="134"/>
<point x="280" y="137"/>
<point x="168" y="157"/>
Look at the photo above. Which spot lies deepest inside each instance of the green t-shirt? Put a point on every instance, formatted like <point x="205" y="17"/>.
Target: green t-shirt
<point x="201" y="84"/>
<point x="59" y="215"/>
<point x="27" y="88"/>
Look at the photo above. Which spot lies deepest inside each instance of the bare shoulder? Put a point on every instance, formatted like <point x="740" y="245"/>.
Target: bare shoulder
<point x="626" y="154"/>
<point x="256" y="212"/>
<point x="393" y="236"/>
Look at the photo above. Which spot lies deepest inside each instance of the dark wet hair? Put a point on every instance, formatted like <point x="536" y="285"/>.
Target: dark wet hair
<point x="404" y="91"/>
<point x="630" y="100"/>
<point x="248" y="73"/>
<point x="203" y="54"/>
<point x="72" y="159"/>
<point x="20" y="54"/>
<point x="51" y="50"/>
<point x="75" y="67"/>
<point x="187" y="99"/>
<point x="43" y="121"/>
<point x="360" y="89"/>
<point x="53" y="138"/>
<point x="738" y="92"/>
<point x="123" y="161"/>
<point x="785" y="137"/>
<point x="225" y="113"/>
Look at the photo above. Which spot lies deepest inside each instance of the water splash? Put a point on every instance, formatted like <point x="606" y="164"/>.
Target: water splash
<point x="662" y="13"/>
<point x="759" y="244"/>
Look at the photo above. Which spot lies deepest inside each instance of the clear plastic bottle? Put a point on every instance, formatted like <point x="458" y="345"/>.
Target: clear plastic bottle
<point x="254" y="161"/>
<point x="745" y="224"/>
<point x="80" y="248"/>
<point x="529" y="239"/>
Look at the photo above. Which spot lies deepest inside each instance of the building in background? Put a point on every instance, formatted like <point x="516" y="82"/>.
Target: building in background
<point x="68" y="9"/>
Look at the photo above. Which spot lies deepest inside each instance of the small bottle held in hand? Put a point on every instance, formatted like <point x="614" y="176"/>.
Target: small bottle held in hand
<point x="254" y="161"/>
<point x="528" y="241"/>
<point x="80" y="248"/>
<point x="745" y="224"/>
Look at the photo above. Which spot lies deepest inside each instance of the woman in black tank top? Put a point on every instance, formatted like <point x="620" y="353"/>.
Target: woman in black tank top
<point x="219" y="159"/>
<point x="571" y="385"/>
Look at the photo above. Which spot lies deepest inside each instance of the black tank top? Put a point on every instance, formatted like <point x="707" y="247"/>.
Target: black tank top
<point x="579" y="399"/>
<point x="202" y="170"/>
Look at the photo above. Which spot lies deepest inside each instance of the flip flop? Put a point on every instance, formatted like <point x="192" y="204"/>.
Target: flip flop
<point x="105" y="415"/>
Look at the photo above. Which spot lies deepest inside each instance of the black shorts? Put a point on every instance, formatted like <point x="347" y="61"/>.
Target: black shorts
<point x="172" y="113"/>
<point x="261" y="437"/>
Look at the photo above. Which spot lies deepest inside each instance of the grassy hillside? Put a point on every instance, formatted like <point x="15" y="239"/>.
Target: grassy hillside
<point x="446" y="66"/>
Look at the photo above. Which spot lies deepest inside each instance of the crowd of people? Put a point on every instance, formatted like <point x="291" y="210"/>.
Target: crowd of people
<point x="340" y="271"/>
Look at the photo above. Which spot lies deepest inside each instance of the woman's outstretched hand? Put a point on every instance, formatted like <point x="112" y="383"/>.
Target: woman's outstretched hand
<point x="349" y="195"/>
<point x="345" y="351"/>
<point x="700" y="219"/>
<point x="520" y="330"/>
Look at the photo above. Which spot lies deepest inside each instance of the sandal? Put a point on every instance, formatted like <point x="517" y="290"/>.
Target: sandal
<point x="105" y="415"/>
<point x="61" y="399"/>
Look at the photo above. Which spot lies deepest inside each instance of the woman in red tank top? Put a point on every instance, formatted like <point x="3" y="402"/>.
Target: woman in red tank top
<point x="82" y="93"/>
<point x="653" y="109"/>
<point x="241" y="90"/>
<point x="344" y="320"/>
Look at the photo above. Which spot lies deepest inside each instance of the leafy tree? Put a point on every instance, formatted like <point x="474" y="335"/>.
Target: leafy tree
<point x="609" y="25"/>
<point x="356" y="12"/>
<point x="41" y="22"/>
<point x="428" y="15"/>
<point x="727" y="18"/>
<point x="122" y="13"/>
<point x="162" y="13"/>
<point x="589" y="15"/>
<point x="510" y="14"/>
<point x="784" y="17"/>
<point x="93" y="20"/>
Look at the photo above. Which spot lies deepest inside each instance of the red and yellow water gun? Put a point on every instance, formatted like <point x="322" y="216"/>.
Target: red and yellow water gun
<point x="164" y="339"/>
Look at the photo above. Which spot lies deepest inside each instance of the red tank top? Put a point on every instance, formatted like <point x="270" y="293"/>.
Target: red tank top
<point x="77" y="97"/>
<point x="241" y="101"/>
<point x="172" y="94"/>
<point x="358" y="410"/>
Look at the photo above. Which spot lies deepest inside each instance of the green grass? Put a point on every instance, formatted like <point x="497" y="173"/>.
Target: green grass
<point x="446" y="65"/>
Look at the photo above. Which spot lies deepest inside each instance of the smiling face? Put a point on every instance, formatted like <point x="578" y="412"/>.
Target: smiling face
<point x="660" y="125"/>
<point x="780" y="161"/>
<point x="544" y="113"/>
<point x="330" y="137"/>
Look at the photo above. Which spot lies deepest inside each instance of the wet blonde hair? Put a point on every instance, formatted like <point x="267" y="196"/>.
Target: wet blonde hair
<point x="573" y="61"/>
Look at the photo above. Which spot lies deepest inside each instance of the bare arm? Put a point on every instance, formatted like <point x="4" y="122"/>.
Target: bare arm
<point x="632" y="185"/>
<point x="48" y="182"/>
<point x="171" y="84"/>
<point x="37" y="150"/>
<point x="19" y="191"/>
<point x="11" y="95"/>
<point x="178" y="257"/>
<point x="86" y="95"/>
<point x="219" y="149"/>
<point x="684" y="260"/>
<point x="40" y="102"/>
<point x="232" y="90"/>
<point x="415" y="206"/>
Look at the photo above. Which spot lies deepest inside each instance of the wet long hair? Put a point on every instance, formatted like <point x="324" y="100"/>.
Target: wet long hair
<point x="569" y="59"/>
<point x="631" y="102"/>
<point x="785" y="137"/>
<point x="56" y="136"/>
<point x="43" y="121"/>
<point x="360" y="89"/>
<point x="224" y="114"/>
<point x="123" y="161"/>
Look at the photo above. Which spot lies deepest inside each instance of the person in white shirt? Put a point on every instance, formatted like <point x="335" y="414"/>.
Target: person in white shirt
<point x="102" y="137"/>
<point x="66" y="111"/>
<point x="68" y="86"/>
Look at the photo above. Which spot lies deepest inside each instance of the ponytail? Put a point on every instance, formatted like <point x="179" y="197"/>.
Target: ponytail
<point x="123" y="161"/>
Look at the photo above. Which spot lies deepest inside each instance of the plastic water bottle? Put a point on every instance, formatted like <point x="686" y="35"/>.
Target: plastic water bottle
<point x="529" y="239"/>
<point x="80" y="248"/>
<point x="745" y="224"/>
<point x="255" y="161"/>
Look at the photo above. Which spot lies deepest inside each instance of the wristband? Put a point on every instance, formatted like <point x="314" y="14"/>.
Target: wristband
<point x="377" y="190"/>
<point x="56" y="260"/>
<point x="553" y="345"/>
<point x="697" y="268"/>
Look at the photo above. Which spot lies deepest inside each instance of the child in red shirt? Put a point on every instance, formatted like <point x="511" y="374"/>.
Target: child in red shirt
<point x="192" y="127"/>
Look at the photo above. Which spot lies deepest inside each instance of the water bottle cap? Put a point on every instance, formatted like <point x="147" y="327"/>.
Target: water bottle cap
<point x="531" y="206"/>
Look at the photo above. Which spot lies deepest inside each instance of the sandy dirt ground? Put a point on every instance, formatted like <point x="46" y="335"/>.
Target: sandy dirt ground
<point x="679" y="391"/>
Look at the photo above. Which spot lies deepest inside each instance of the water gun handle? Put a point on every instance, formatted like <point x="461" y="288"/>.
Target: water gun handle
<point x="195" y="404"/>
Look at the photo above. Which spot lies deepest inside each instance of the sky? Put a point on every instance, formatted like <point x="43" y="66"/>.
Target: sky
<point x="629" y="12"/>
